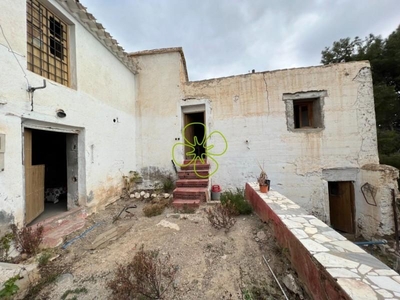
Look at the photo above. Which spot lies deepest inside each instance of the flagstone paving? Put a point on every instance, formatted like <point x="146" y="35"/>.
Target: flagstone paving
<point x="358" y="273"/>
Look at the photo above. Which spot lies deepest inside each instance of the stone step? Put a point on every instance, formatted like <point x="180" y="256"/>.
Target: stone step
<point x="190" y="174"/>
<point x="186" y="161"/>
<point x="192" y="183"/>
<point x="191" y="193"/>
<point x="184" y="203"/>
<point x="198" y="167"/>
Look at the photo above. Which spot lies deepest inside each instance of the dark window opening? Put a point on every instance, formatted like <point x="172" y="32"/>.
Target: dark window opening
<point x="56" y="28"/>
<point x="303" y="113"/>
<point x="56" y="48"/>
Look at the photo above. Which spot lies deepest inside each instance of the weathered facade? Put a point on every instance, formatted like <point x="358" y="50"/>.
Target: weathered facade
<point x="313" y="129"/>
<point x="96" y="137"/>
<point x="256" y="113"/>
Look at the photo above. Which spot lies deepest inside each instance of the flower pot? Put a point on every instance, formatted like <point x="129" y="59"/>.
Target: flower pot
<point x="264" y="188"/>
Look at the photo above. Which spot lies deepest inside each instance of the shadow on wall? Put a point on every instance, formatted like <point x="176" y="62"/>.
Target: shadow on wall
<point x="5" y="221"/>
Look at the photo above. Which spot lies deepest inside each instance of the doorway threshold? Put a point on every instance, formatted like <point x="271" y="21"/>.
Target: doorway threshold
<point x="59" y="226"/>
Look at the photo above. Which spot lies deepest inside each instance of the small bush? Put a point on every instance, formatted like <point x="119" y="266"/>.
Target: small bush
<point x="146" y="276"/>
<point x="75" y="291"/>
<point x="168" y="184"/>
<point x="222" y="216"/>
<point x="237" y="199"/>
<point x="5" y="244"/>
<point x="44" y="258"/>
<point x="153" y="209"/>
<point x="10" y="288"/>
<point x="27" y="240"/>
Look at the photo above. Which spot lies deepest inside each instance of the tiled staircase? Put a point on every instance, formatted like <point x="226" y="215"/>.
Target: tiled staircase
<point x="191" y="190"/>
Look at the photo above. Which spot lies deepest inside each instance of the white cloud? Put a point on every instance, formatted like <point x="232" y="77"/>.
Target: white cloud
<point x="227" y="37"/>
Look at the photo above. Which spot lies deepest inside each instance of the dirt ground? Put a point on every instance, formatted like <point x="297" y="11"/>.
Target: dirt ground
<point x="211" y="264"/>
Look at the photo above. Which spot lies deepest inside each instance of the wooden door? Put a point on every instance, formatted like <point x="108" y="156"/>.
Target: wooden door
<point x="34" y="182"/>
<point x="341" y="205"/>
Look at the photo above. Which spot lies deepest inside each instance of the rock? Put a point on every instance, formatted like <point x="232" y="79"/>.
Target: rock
<point x="257" y="239"/>
<point x="24" y="256"/>
<point x="142" y="193"/>
<point x="146" y="196"/>
<point x="195" y="219"/>
<point x="153" y="195"/>
<point x="137" y="195"/>
<point x="291" y="285"/>
<point x="210" y="234"/>
<point x="391" y="250"/>
<point x="175" y="216"/>
<point x="166" y="195"/>
<point x="65" y="279"/>
<point x="223" y="256"/>
<point x="261" y="235"/>
<point x="132" y="196"/>
<point x="167" y="224"/>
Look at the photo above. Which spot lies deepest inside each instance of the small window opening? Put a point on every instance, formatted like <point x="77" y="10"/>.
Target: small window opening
<point x="303" y="113"/>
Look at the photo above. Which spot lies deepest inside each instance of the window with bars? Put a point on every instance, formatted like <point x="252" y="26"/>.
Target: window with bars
<point x="47" y="43"/>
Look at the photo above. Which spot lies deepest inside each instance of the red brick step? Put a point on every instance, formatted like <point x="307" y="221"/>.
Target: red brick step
<point x="190" y="193"/>
<point x="181" y="203"/>
<point x="189" y="174"/>
<point x="192" y="183"/>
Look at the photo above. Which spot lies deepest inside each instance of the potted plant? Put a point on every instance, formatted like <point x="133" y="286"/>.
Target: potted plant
<point x="263" y="181"/>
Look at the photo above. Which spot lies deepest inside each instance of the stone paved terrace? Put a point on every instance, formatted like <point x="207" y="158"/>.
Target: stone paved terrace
<point x="330" y="266"/>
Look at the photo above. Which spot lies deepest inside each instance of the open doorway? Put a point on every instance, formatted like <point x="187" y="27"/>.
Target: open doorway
<point x="47" y="190"/>
<point x="341" y="205"/>
<point x="194" y="131"/>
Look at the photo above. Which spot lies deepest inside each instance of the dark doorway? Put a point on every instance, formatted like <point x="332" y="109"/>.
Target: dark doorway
<point x="195" y="131"/>
<point x="341" y="205"/>
<point x="49" y="150"/>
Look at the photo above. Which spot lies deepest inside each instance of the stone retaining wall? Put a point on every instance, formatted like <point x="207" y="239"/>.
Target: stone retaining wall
<point x="329" y="265"/>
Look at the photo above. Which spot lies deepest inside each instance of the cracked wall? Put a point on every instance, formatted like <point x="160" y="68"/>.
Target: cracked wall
<point x="249" y="110"/>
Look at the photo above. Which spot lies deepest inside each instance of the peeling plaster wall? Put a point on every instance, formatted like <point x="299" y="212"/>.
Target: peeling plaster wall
<point x="251" y="107"/>
<point x="377" y="220"/>
<point x="104" y="91"/>
<point x="251" y="113"/>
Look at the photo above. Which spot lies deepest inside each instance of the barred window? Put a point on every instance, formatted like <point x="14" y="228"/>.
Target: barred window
<point x="47" y="42"/>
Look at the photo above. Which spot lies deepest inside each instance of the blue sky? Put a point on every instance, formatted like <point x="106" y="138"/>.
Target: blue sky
<point x="228" y="37"/>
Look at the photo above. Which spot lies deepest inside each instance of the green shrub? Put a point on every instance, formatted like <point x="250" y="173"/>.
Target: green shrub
<point x="5" y="244"/>
<point x="168" y="184"/>
<point x="10" y="288"/>
<point x="237" y="200"/>
<point x="44" y="258"/>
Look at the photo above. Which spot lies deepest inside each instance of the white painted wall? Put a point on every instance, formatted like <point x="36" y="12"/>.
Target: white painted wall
<point x="105" y="90"/>
<point x="249" y="110"/>
<point x="158" y="118"/>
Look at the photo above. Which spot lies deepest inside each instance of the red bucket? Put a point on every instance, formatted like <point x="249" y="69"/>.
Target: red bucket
<point x="216" y="188"/>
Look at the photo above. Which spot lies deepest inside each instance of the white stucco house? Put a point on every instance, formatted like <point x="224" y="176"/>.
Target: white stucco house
<point x="102" y="113"/>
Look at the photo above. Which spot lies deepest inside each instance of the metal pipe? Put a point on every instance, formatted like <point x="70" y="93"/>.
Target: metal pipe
<point x="382" y="242"/>
<point x="81" y="235"/>
<point x="276" y="279"/>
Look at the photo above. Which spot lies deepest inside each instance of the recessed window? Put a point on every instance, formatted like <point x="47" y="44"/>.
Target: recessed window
<point x="303" y="113"/>
<point x="304" y="110"/>
<point x="47" y="43"/>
